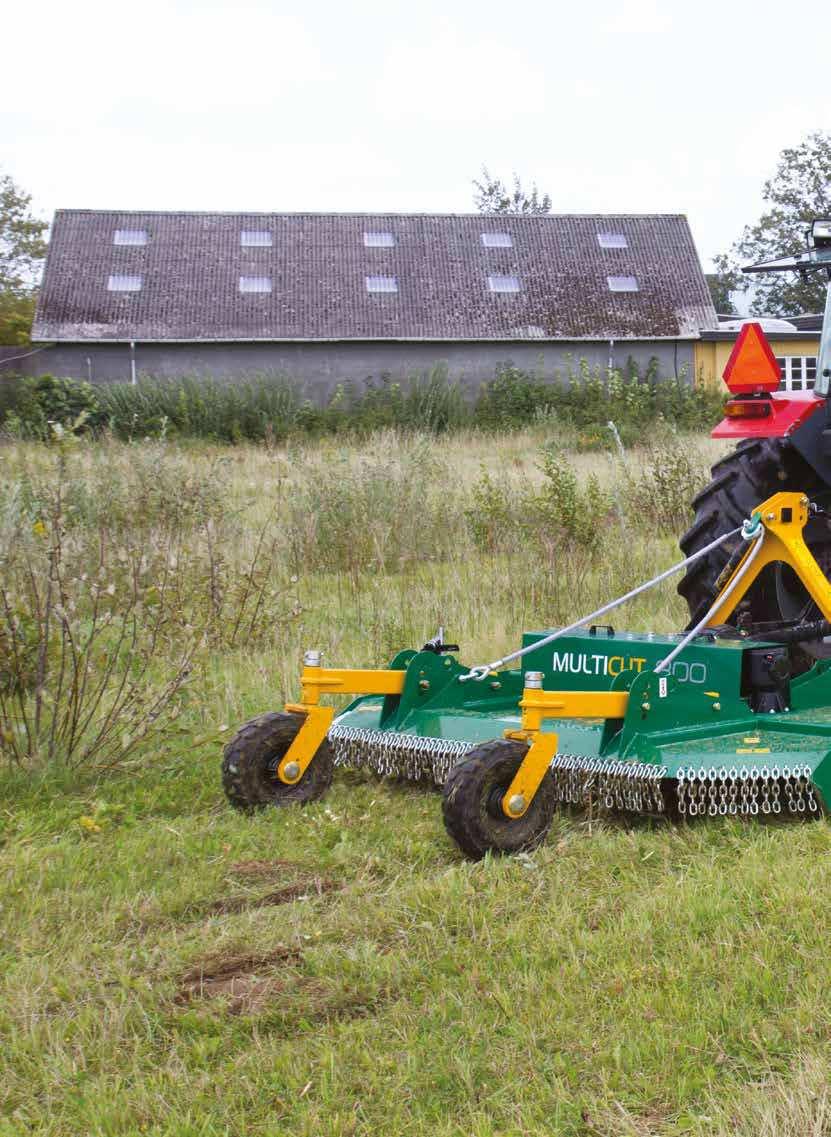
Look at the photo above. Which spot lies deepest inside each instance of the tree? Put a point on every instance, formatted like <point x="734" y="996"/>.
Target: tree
<point x="493" y="196"/>
<point x="799" y="191"/>
<point x="22" y="249"/>
<point x="724" y="281"/>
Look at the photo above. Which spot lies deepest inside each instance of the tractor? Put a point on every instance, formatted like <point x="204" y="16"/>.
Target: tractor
<point x="785" y="444"/>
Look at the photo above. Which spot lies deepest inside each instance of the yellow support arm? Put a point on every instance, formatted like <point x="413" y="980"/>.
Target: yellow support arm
<point x="783" y="516"/>
<point x="537" y="705"/>
<point x="314" y="682"/>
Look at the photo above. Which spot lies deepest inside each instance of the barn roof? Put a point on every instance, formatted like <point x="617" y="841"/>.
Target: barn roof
<point x="323" y="276"/>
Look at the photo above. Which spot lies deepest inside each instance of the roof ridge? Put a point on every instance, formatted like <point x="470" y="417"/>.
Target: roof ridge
<point x="356" y="213"/>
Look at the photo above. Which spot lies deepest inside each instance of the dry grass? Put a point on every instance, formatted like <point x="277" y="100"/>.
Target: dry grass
<point x="177" y="969"/>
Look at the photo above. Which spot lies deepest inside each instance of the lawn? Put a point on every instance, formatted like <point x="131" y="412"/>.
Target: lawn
<point x="173" y="968"/>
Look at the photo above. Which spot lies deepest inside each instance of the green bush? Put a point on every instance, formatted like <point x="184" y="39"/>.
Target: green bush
<point x="71" y="403"/>
<point x="270" y="408"/>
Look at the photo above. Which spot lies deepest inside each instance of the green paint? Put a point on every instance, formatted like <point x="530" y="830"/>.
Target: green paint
<point x="696" y="717"/>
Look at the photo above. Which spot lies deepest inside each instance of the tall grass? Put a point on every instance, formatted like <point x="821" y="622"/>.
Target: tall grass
<point x="271" y="408"/>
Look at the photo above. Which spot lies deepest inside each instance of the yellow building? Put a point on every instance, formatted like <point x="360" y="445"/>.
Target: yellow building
<point x="795" y="350"/>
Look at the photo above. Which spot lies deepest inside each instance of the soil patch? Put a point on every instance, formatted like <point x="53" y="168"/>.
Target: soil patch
<point x="246" y="982"/>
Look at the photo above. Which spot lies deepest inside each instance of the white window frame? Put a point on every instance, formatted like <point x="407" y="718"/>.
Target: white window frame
<point x="255" y="239"/>
<point x="124" y="282"/>
<point x="504" y="283"/>
<point x="378" y="240"/>
<point x="388" y="284"/>
<point x="799" y="372"/>
<point x="612" y="241"/>
<point x="131" y="237"/>
<point x="621" y="283"/>
<point x="497" y="240"/>
<point x="255" y="285"/>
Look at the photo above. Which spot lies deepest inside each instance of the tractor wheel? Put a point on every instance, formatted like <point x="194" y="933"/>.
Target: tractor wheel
<point x="251" y="758"/>
<point x="472" y="802"/>
<point x="755" y="470"/>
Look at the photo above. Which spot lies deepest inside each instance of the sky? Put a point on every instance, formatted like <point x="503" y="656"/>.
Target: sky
<point x="629" y="106"/>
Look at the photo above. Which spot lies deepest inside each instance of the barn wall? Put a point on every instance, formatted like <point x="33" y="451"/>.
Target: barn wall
<point x="319" y="367"/>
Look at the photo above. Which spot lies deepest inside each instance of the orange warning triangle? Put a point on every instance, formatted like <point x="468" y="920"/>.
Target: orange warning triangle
<point x="752" y="365"/>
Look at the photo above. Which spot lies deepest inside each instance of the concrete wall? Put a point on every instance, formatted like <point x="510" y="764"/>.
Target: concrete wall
<point x="319" y="367"/>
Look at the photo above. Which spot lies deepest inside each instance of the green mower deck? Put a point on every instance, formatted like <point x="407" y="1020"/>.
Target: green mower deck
<point x="697" y="746"/>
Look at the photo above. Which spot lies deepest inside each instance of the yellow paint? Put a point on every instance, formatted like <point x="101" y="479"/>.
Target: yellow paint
<point x="710" y="357"/>
<point x="537" y="705"/>
<point x="307" y="740"/>
<point x="782" y="541"/>
<point x="531" y="772"/>
<point x="752" y="740"/>
<point x="317" y="681"/>
<point x="753" y="750"/>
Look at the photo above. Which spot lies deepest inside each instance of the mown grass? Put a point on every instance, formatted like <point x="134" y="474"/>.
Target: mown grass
<point x="173" y="968"/>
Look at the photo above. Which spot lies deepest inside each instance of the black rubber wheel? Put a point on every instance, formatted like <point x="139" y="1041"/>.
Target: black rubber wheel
<point x="472" y="797"/>
<point x="755" y="470"/>
<point x="251" y="758"/>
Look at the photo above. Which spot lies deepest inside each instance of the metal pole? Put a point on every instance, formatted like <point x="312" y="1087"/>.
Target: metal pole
<point x="133" y="362"/>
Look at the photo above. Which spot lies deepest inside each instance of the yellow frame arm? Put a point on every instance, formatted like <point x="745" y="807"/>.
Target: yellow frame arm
<point x="314" y="682"/>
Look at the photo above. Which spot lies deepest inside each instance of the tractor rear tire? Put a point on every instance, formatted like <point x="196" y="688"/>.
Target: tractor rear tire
<point x="755" y="470"/>
<point x="251" y="758"/>
<point x="472" y="796"/>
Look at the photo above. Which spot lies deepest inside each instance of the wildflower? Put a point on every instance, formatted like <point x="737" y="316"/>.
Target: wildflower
<point x="89" y="825"/>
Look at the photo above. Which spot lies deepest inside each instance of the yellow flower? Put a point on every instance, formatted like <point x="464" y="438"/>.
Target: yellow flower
<point x="39" y="528"/>
<point x="89" y="825"/>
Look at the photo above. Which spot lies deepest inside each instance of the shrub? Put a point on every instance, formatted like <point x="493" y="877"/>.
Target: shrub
<point x="73" y="404"/>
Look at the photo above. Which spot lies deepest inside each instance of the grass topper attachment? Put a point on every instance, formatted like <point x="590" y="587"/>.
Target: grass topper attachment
<point x="720" y="720"/>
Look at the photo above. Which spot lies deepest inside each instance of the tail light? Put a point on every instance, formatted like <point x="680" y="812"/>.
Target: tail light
<point x="747" y="408"/>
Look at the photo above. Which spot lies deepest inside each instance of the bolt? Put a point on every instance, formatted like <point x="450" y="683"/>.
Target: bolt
<point x="770" y="517"/>
<point x="291" y="771"/>
<point x="646" y="706"/>
<point x="516" y="805"/>
<point x="495" y="685"/>
<point x="311" y="659"/>
<point x="424" y="684"/>
<point x="533" y="679"/>
<point x="717" y="706"/>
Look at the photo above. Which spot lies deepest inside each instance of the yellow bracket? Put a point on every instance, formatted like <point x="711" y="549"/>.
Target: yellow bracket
<point x="783" y="516"/>
<point x="317" y="681"/>
<point x="537" y="705"/>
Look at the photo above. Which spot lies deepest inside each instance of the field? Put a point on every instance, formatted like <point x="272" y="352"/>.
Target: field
<point x="169" y="967"/>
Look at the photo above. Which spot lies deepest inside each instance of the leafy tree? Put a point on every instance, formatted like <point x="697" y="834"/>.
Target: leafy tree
<point x="493" y="196"/>
<point x="22" y="249"/>
<point x="722" y="283"/>
<point x="799" y="191"/>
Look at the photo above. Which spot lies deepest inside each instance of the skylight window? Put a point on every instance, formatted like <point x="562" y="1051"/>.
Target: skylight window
<point x="504" y="283"/>
<point x="255" y="239"/>
<point x="379" y="240"/>
<point x="622" y="283"/>
<point x="497" y="241"/>
<point x="381" y="284"/>
<point x="255" y="284"/>
<point x="119" y="283"/>
<point x="130" y="237"/>
<point x="612" y="241"/>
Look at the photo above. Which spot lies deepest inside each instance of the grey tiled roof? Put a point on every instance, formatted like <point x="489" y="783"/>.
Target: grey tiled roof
<point x="192" y="263"/>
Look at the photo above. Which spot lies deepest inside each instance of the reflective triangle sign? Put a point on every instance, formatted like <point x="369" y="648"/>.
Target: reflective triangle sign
<point x="752" y="365"/>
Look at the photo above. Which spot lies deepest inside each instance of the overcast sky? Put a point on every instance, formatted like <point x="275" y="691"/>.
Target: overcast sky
<point x="634" y="106"/>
